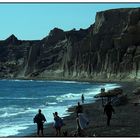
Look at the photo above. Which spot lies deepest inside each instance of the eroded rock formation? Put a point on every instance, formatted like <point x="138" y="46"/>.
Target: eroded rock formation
<point x="108" y="50"/>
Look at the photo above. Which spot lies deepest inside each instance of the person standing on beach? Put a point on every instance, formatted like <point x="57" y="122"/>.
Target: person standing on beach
<point x="79" y="109"/>
<point x="108" y="109"/>
<point x="82" y="123"/>
<point x="39" y="119"/>
<point x="82" y="98"/>
<point x="57" y="124"/>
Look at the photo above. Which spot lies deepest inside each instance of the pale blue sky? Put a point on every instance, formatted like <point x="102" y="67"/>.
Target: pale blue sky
<point x="34" y="21"/>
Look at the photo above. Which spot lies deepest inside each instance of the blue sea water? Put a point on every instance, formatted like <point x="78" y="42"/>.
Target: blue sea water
<point x="21" y="99"/>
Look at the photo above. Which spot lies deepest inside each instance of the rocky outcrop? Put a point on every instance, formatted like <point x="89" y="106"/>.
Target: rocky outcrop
<point x="109" y="49"/>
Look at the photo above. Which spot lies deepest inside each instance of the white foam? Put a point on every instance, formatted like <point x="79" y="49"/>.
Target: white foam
<point x="52" y="103"/>
<point x="9" y="130"/>
<point x="67" y="82"/>
<point x="4" y="115"/>
<point x="69" y="96"/>
<point x="110" y="86"/>
<point x="56" y="81"/>
<point x="89" y="93"/>
<point x="92" y="92"/>
<point x="18" y="98"/>
<point x="17" y="80"/>
<point x="8" y="112"/>
<point x="10" y="108"/>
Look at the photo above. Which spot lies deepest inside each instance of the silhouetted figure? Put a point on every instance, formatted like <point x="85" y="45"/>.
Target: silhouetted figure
<point x="82" y="98"/>
<point x="57" y="124"/>
<point x="79" y="109"/>
<point x="102" y="90"/>
<point x="82" y="123"/>
<point x="108" y="109"/>
<point x="39" y="119"/>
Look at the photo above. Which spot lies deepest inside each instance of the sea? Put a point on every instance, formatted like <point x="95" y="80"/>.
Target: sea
<point x="21" y="99"/>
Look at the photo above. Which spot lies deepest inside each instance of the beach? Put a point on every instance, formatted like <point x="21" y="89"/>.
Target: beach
<point x="53" y="54"/>
<point x="124" y="123"/>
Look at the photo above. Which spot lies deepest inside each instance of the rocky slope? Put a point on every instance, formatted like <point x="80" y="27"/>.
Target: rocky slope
<point x="108" y="50"/>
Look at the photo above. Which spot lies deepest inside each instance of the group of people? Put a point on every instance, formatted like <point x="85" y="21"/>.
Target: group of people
<point x="40" y="119"/>
<point x="81" y="120"/>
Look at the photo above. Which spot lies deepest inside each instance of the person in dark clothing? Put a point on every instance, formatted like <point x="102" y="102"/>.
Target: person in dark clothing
<point x="58" y="123"/>
<point x="82" y="98"/>
<point x="108" y="109"/>
<point x="79" y="109"/>
<point x="39" y="119"/>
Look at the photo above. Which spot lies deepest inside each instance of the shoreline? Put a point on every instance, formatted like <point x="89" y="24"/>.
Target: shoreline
<point x="120" y="126"/>
<point x="27" y="131"/>
<point x="90" y="80"/>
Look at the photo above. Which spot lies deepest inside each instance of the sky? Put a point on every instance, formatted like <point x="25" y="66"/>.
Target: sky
<point x="33" y="21"/>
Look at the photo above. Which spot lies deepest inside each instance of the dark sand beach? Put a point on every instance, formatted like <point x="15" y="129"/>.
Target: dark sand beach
<point x="125" y="122"/>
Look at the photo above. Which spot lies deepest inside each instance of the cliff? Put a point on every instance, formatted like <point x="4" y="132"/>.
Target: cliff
<point x="108" y="50"/>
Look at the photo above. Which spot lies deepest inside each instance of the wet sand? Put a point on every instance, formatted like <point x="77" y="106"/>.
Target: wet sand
<point x="125" y="122"/>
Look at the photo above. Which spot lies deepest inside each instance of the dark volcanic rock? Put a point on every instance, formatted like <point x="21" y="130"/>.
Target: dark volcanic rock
<point x="109" y="49"/>
<point x="12" y="40"/>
